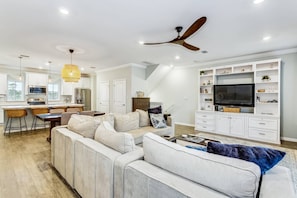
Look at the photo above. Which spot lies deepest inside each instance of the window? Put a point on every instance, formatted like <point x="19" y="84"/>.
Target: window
<point x="53" y="90"/>
<point x="15" y="89"/>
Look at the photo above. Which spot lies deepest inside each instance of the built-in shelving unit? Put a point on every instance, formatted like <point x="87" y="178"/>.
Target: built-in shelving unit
<point x="261" y="122"/>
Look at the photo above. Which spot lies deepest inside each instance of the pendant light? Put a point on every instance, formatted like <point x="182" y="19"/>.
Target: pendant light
<point x="49" y="71"/>
<point x="20" y="74"/>
<point x="70" y="72"/>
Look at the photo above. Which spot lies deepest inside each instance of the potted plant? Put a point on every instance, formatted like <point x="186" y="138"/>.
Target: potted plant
<point x="265" y="78"/>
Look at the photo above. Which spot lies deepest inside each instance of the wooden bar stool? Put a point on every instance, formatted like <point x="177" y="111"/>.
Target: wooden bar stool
<point x="34" y="113"/>
<point x="15" y="113"/>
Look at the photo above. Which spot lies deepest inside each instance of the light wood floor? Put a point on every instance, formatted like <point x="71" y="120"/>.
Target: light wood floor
<point x="25" y="169"/>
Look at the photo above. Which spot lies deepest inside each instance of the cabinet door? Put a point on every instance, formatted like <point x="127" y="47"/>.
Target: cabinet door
<point x="237" y="126"/>
<point x="3" y="83"/>
<point x="223" y="124"/>
<point x="67" y="88"/>
<point x="36" y="79"/>
<point x="1" y="116"/>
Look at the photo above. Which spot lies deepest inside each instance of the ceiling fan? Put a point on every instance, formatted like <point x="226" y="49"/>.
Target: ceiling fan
<point x="180" y="40"/>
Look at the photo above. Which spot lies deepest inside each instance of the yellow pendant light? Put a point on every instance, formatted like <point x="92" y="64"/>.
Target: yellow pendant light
<point x="70" y="72"/>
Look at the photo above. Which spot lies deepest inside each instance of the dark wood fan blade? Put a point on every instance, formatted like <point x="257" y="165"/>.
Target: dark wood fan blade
<point x="155" y="43"/>
<point x="190" y="47"/>
<point x="193" y="28"/>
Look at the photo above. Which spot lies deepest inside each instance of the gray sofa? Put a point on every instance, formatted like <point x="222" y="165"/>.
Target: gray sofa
<point x="171" y="170"/>
<point x="111" y="165"/>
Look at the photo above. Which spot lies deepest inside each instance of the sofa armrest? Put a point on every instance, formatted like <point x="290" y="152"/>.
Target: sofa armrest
<point x="52" y="141"/>
<point x="119" y="168"/>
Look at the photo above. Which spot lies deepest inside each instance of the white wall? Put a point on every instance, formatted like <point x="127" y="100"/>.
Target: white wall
<point x="178" y="88"/>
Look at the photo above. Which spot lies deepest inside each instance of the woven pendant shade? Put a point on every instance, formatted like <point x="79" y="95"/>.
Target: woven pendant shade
<point x="70" y="73"/>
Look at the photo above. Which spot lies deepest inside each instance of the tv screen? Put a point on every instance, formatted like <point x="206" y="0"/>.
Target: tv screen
<point x="235" y="95"/>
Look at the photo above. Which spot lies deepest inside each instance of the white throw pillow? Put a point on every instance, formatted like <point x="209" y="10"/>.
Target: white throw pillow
<point x="126" y="122"/>
<point x="83" y="125"/>
<point x="144" y="119"/>
<point x="121" y="142"/>
<point x="158" y="120"/>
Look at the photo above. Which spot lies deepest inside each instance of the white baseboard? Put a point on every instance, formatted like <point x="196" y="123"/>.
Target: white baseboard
<point x="185" y="124"/>
<point x="289" y="139"/>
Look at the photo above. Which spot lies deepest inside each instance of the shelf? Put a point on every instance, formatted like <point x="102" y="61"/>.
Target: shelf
<point x="265" y="103"/>
<point x="267" y="69"/>
<point x="267" y="92"/>
<point x="207" y="75"/>
<point x="206" y="93"/>
<point x="266" y="82"/>
<point x="206" y="85"/>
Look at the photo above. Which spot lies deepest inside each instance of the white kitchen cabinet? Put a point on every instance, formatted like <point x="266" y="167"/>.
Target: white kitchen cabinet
<point x="1" y="116"/>
<point x="36" y="79"/>
<point x="84" y="83"/>
<point x="3" y="83"/>
<point x="67" y="88"/>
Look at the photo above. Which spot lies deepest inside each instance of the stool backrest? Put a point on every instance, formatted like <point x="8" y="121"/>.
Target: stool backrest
<point x="16" y="113"/>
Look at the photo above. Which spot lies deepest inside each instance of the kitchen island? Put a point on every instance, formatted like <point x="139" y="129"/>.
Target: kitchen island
<point x="29" y="118"/>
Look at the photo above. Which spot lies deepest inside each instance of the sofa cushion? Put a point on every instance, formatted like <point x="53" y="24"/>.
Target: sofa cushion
<point x="158" y="120"/>
<point x="121" y="142"/>
<point x="230" y="176"/>
<point x="144" y="119"/>
<point x="126" y="122"/>
<point x="83" y="125"/>
<point x="265" y="158"/>
<point x="139" y="133"/>
<point x="106" y="117"/>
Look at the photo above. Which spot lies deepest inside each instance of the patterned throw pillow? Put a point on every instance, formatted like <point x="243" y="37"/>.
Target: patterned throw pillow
<point x="158" y="120"/>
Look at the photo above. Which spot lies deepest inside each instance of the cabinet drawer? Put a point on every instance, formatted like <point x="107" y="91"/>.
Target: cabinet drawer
<point x="262" y="134"/>
<point x="205" y="122"/>
<point x="263" y="123"/>
<point x="202" y="127"/>
<point x="205" y="116"/>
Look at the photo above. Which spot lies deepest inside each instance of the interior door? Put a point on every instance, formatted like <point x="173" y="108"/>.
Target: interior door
<point x="119" y="96"/>
<point x="103" y="99"/>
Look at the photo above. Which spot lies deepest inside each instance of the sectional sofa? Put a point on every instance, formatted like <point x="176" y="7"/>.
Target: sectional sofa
<point x="111" y="165"/>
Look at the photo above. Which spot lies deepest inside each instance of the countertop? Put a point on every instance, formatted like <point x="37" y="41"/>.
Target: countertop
<point x="8" y="107"/>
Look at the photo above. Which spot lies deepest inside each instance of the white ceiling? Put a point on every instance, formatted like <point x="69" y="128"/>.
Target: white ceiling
<point x="108" y="31"/>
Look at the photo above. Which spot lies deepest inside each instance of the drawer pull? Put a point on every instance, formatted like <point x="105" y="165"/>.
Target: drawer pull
<point x="262" y="134"/>
<point x="262" y="123"/>
<point x="204" y="116"/>
<point x="204" y="121"/>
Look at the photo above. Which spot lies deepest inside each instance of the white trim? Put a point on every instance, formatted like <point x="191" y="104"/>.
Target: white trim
<point x="122" y="66"/>
<point x="289" y="139"/>
<point x="249" y="57"/>
<point x="185" y="124"/>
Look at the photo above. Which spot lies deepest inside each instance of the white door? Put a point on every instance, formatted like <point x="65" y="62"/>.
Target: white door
<point x="119" y="96"/>
<point x="103" y="99"/>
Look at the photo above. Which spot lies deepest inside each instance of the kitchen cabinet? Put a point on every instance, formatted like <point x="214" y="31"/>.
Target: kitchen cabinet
<point x="1" y="116"/>
<point x="3" y="83"/>
<point x="36" y="79"/>
<point x="67" y="88"/>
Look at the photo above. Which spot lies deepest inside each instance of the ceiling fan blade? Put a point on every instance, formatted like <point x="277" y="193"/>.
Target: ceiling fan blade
<point x="194" y="27"/>
<point x="155" y="43"/>
<point x="190" y="47"/>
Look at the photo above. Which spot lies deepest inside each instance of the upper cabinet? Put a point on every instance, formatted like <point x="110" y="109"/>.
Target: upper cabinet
<point x="36" y="79"/>
<point x="67" y="88"/>
<point x="3" y="82"/>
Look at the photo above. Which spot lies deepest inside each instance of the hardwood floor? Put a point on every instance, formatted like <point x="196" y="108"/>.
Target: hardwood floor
<point x="25" y="169"/>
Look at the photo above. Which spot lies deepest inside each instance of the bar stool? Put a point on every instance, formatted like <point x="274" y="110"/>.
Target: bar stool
<point x="34" y="113"/>
<point x="15" y="113"/>
<point x="57" y="110"/>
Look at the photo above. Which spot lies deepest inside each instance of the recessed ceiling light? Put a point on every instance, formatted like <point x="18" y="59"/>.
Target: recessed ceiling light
<point x="39" y="67"/>
<point x="177" y="57"/>
<point x="141" y="42"/>
<point x="82" y="69"/>
<point x="266" y="38"/>
<point x="204" y="52"/>
<point x="64" y="11"/>
<point x="258" y="1"/>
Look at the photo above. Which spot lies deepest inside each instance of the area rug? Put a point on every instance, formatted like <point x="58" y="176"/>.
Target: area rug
<point x="289" y="161"/>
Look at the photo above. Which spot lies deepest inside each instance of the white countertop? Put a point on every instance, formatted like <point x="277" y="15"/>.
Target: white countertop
<point x="8" y="107"/>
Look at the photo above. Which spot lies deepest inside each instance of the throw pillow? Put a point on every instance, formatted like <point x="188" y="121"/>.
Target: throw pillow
<point x="265" y="158"/>
<point x="155" y="110"/>
<point x="144" y="119"/>
<point x="83" y="125"/>
<point x="158" y="120"/>
<point x="121" y="142"/>
<point x="126" y="122"/>
<point x="106" y="117"/>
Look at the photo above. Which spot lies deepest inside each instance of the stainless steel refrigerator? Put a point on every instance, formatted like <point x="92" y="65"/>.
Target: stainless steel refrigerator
<point x="83" y="96"/>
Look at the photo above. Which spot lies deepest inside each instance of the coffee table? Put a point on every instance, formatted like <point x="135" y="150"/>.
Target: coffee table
<point x="193" y="140"/>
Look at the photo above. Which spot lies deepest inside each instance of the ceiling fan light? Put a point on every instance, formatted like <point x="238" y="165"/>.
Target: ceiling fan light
<point x="71" y="73"/>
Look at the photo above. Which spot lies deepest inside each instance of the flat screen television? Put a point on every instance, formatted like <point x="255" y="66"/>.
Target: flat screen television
<point x="235" y="95"/>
